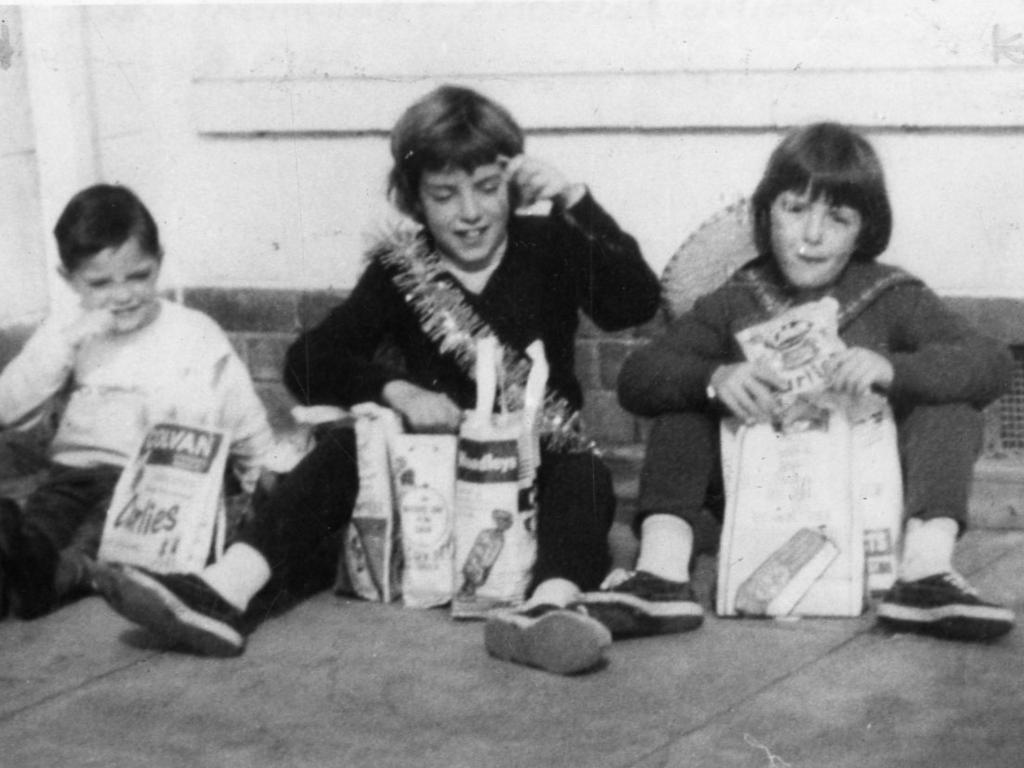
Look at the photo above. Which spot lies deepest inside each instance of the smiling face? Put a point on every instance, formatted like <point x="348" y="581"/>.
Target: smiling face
<point x="121" y="279"/>
<point x="467" y="213"/>
<point x="812" y="240"/>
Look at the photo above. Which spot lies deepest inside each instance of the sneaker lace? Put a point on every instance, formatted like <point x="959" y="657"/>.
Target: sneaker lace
<point x="616" y="577"/>
<point x="955" y="579"/>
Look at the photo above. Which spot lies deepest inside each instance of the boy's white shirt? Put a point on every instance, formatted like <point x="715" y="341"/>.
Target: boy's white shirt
<point x="179" y="367"/>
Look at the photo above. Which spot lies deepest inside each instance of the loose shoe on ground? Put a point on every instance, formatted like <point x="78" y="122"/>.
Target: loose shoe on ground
<point x="180" y="608"/>
<point x="640" y="604"/>
<point x="944" y="605"/>
<point x="560" y="640"/>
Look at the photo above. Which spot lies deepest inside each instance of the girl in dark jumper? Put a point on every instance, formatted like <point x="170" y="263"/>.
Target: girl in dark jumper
<point x="459" y="171"/>
<point x="821" y="218"/>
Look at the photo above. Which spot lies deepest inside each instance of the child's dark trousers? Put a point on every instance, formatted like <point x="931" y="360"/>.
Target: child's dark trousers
<point x="938" y="446"/>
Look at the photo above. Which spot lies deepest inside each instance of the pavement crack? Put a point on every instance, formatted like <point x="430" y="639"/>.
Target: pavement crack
<point x="12" y="715"/>
<point x="645" y="761"/>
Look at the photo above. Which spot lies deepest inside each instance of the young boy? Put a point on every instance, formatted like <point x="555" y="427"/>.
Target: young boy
<point x="125" y="360"/>
<point x="459" y="171"/>
<point x="821" y="218"/>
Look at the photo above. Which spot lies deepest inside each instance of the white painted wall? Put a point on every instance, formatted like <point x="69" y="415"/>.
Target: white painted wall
<point x="23" y="289"/>
<point x="257" y="133"/>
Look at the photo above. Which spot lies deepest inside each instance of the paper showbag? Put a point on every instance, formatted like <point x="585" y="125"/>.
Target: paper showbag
<point x="877" y="490"/>
<point x="371" y="555"/>
<point x="495" y="512"/>
<point x="798" y="489"/>
<point x="423" y="475"/>
<point x="167" y="511"/>
<point x="790" y="542"/>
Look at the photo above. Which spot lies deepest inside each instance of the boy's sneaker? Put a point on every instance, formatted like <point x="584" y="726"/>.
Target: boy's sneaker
<point x="179" y="607"/>
<point x="639" y="604"/>
<point x="560" y="640"/>
<point x="944" y="605"/>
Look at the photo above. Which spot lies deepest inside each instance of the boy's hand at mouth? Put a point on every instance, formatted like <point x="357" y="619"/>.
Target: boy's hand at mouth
<point x="89" y="323"/>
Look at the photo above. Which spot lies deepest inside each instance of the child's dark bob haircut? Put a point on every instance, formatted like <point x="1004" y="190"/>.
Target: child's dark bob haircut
<point x="834" y="162"/>
<point x="451" y="128"/>
<point x="103" y="216"/>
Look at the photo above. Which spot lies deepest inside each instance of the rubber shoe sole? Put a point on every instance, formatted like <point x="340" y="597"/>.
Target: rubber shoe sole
<point x="955" y="622"/>
<point x="148" y="603"/>
<point x="564" y="642"/>
<point x="627" y="615"/>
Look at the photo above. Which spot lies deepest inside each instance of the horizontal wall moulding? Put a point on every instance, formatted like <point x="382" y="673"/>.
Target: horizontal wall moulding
<point x="990" y="97"/>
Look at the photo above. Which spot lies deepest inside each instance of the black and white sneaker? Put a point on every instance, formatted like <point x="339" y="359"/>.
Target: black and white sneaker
<point x="639" y="604"/>
<point x="560" y="640"/>
<point x="944" y="605"/>
<point x="181" y="608"/>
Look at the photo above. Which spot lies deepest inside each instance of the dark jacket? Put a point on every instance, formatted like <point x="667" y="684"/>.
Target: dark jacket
<point x="937" y="356"/>
<point x="554" y="266"/>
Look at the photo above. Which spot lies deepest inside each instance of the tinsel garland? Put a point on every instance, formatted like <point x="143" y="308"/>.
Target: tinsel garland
<point x="448" y="320"/>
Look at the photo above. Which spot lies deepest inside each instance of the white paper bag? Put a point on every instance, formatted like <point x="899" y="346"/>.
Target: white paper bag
<point x="167" y="512"/>
<point x="813" y="501"/>
<point x="783" y="483"/>
<point x="423" y="475"/>
<point x="877" y="490"/>
<point x="371" y="554"/>
<point x="495" y="517"/>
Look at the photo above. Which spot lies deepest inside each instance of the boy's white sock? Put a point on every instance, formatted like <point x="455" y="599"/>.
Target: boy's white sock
<point x="558" y="592"/>
<point x="238" y="575"/>
<point x="928" y="547"/>
<point x="666" y="542"/>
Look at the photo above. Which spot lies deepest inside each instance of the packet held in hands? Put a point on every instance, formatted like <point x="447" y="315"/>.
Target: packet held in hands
<point x="797" y="345"/>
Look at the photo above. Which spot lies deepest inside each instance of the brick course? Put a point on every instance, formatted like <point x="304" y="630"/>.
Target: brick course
<point x="262" y="323"/>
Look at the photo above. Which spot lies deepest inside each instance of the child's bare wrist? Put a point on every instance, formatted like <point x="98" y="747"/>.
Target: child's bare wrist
<point x="571" y="195"/>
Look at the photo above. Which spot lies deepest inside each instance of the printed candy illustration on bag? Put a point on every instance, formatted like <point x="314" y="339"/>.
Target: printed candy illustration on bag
<point x="484" y="553"/>
<point x="797" y="345"/>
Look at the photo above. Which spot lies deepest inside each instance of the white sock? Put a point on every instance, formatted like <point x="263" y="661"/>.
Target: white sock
<point x="666" y="542"/>
<point x="928" y="547"/>
<point x="238" y="575"/>
<point x="558" y="592"/>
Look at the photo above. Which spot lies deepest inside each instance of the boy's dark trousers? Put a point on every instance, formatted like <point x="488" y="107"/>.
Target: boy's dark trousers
<point x="61" y="523"/>
<point x="312" y="504"/>
<point x="938" y="446"/>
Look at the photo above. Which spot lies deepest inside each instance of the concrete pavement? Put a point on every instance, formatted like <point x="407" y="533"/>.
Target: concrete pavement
<point x="336" y="682"/>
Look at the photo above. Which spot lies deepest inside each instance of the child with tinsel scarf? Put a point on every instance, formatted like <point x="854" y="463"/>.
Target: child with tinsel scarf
<point x="459" y="172"/>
